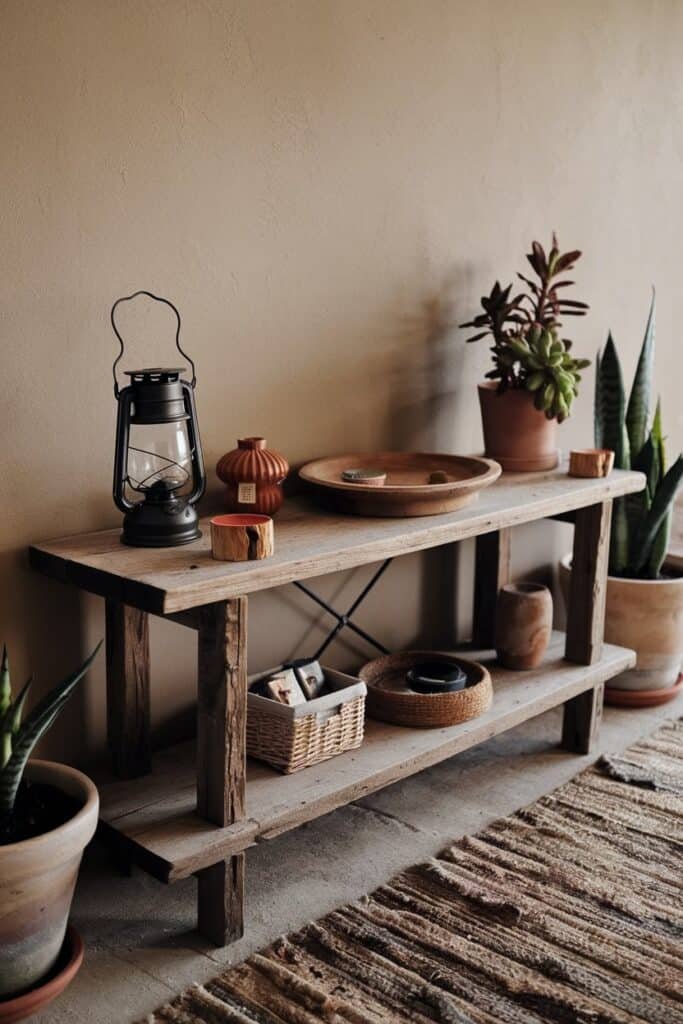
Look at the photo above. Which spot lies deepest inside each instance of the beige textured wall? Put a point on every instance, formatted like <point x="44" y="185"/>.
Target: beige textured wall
<point x="324" y="187"/>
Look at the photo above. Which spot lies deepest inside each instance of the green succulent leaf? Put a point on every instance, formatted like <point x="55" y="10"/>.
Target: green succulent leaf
<point x="658" y="437"/>
<point x="611" y="404"/>
<point x="660" y="546"/>
<point x="10" y="723"/>
<point x="618" y="542"/>
<point x="597" y="406"/>
<point x="524" y="328"/>
<point x="638" y="411"/>
<point x="34" y="726"/>
<point x="637" y="505"/>
<point x="5" y="683"/>
<point x="648" y="529"/>
<point x="17" y="709"/>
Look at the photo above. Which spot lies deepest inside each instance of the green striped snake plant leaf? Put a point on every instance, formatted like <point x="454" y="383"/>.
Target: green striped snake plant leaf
<point x="638" y="411"/>
<point x="17" y="737"/>
<point x="641" y="522"/>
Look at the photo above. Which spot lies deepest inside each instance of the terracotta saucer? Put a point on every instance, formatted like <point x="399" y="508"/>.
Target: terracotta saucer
<point x="641" y="698"/>
<point x="24" y="1006"/>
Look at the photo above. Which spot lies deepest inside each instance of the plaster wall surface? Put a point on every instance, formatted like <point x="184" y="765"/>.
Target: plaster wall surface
<point x="325" y="188"/>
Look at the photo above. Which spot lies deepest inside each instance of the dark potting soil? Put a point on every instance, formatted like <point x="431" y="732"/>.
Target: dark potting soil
<point x="38" y="809"/>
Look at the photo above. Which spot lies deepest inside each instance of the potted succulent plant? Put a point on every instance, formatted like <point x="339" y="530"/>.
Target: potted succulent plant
<point x="644" y="607"/>
<point x="48" y="814"/>
<point x="535" y="377"/>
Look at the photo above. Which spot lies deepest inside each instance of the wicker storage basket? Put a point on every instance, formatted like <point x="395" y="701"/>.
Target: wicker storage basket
<point x="390" y="699"/>
<point x="290" y="738"/>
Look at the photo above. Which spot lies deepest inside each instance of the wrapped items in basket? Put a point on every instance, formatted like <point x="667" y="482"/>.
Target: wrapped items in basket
<point x="291" y="733"/>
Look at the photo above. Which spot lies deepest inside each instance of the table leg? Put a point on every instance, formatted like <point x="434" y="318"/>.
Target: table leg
<point x="586" y="621"/>
<point x="492" y="571"/>
<point x="221" y="758"/>
<point x="127" y="689"/>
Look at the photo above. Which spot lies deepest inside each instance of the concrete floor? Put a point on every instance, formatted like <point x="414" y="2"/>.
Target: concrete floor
<point x="141" y="947"/>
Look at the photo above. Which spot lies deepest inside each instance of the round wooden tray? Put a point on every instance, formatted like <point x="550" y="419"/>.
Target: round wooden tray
<point x="407" y="491"/>
<point x="390" y="699"/>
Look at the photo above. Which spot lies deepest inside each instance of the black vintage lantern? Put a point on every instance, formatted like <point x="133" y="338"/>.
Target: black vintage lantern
<point x="158" y="451"/>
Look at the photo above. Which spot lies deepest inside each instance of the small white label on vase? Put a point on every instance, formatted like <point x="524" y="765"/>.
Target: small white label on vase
<point x="246" y="494"/>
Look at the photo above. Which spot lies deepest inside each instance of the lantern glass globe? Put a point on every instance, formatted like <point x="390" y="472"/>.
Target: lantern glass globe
<point x="159" y="452"/>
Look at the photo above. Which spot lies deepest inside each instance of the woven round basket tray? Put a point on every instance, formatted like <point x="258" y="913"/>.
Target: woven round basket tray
<point x="390" y="698"/>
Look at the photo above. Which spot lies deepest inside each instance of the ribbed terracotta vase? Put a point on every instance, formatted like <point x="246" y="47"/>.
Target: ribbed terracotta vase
<point x="253" y="477"/>
<point x="524" y="620"/>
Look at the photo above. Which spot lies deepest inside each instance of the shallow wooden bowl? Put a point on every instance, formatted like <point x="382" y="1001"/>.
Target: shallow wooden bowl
<point x="407" y="491"/>
<point x="390" y="698"/>
<point x="27" y="1005"/>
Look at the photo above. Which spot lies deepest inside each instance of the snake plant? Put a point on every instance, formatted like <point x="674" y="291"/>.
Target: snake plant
<point x="641" y="522"/>
<point x="18" y="737"/>
<point x="528" y="351"/>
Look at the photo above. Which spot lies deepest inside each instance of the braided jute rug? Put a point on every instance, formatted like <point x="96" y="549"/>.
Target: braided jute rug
<point x="567" y="911"/>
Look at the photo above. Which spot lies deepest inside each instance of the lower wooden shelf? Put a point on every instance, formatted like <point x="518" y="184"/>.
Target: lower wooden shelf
<point x="153" y="818"/>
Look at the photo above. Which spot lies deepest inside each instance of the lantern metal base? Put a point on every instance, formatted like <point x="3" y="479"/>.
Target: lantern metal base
<point x="152" y="525"/>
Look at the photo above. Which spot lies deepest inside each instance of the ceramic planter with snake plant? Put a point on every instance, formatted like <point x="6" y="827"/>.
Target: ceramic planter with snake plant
<point x="48" y="815"/>
<point x="644" y="605"/>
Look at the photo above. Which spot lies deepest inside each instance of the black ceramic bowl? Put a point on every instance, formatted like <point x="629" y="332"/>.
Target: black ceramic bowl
<point x="436" y="677"/>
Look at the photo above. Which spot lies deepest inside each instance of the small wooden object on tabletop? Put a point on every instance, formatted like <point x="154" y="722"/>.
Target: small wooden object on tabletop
<point x="392" y="697"/>
<point x="241" y="538"/>
<point x="591" y="462"/>
<point x="369" y="477"/>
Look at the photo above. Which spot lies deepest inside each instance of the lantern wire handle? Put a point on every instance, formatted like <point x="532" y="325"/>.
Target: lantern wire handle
<point x="157" y="298"/>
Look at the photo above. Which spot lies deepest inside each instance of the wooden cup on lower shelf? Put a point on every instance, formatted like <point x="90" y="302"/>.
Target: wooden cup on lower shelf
<point x="524" y="621"/>
<point x="241" y="537"/>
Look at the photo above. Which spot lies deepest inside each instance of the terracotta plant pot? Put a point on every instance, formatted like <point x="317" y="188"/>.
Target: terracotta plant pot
<point x="646" y="616"/>
<point x="524" y="621"/>
<point x="253" y="477"/>
<point x="37" y="879"/>
<point x="516" y="434"/>
<point x="68" y="964"/>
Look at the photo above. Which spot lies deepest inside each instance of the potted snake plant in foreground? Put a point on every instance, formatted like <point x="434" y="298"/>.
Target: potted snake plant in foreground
<point x="644" y="606"/>
<point x="48" y="814"/>
<point x="535" y="377"/>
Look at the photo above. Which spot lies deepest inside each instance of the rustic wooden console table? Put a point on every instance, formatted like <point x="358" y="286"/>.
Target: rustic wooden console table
<point x="195" y="809"/>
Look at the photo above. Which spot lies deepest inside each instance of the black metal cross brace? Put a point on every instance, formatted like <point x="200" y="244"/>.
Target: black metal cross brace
<point x="344" y="621"/>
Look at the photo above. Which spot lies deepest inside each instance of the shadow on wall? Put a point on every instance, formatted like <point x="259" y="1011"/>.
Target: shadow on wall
<point x="46" y="621"/>
<point x="433" y="408"/>
<point x="433" y="403"/>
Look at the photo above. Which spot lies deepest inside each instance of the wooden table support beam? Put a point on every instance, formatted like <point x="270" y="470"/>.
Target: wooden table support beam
<point x="221" y="759"/>
<point x="586" y="621"/>
<point x="491" y="572"/>
<point x="128" y="700"/>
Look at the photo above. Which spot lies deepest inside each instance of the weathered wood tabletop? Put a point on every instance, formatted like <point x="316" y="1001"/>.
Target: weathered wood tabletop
<point x="309" y="541"/>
